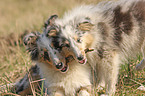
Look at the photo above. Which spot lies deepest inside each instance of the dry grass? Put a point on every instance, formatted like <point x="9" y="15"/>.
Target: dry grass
<point x="17" y="16"/>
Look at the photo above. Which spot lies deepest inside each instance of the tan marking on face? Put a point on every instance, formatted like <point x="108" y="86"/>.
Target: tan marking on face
<point x="87" y="40"/>
<point x="41" y="57"/>
<point x="52" y="45"/>
<point x="75" y="37"/>
<point x="82" y="50"/>
<point x="66" y="42"/>
<point x="44" y="49"/>
<point x="66" y="52"/>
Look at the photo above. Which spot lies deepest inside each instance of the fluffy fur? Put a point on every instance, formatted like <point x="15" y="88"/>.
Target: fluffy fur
<point x="115" y="30"/>
<point x="63" y="76"/>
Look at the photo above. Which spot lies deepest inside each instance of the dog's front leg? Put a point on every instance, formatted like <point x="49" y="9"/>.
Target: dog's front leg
<point x="85" y="91"/>
<point x="109" y="71"/>
<point x="58" y="94"/>
<point x="112" y="74"/>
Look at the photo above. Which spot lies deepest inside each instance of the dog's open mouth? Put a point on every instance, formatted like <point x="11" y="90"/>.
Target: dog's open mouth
<point x="83" y="61"/>
<point x="65" y="68"/>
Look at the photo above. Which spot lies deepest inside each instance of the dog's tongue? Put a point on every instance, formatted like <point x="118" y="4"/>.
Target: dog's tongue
<point x="64" y="69"/>
<point x="82" y="61"/>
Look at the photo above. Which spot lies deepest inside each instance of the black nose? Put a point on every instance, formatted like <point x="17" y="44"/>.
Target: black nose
<point x="81" y="57"/>
<point x="59" y="65"/>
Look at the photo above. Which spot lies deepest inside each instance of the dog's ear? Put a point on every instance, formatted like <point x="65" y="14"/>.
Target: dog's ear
<point x="50" y="21"/>
<point x="31" y="44"/>
<point x="52" y="32"/>
<point x="85" y="26"/>
<point x="48" y="24"/>
<point x="30" y="39"/>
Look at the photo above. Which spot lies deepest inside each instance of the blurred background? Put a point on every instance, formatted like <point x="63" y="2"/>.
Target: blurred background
<point x="19" y="17"/>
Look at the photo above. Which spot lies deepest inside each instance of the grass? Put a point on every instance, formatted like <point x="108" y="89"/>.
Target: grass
<point x="130" y="79"/>
<point x="21" y="16"/>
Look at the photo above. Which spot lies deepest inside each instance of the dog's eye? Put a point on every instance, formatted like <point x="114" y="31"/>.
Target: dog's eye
<point x="79" y="40"/>
<point x="67" y="45"/>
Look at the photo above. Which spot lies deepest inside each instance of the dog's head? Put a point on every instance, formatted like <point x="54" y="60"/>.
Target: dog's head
<point x="78" y="36"/>
<point x="46" y="47"/>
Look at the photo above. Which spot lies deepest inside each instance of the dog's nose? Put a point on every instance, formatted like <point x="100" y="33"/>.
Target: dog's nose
<point x="81" y="57"/>
<point x="59" y="65"/>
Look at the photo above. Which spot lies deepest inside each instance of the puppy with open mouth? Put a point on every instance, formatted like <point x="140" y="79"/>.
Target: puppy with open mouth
<point x="63" y="75"/>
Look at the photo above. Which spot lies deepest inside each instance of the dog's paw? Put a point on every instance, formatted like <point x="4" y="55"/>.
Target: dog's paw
<point x="85" y="91"/>
<point x="58" y="94"/>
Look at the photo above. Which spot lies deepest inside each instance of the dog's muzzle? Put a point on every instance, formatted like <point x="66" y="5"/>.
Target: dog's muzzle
<point x="81" y="59"/>
<point x="59" y="65"/>
<point x="66" y="66"/>
<point x="62" y="67"/>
